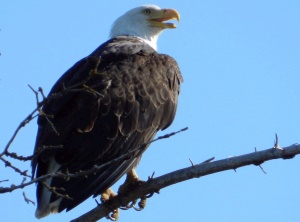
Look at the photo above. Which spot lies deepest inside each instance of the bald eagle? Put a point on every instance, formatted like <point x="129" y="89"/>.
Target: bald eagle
<point x="106" y="105"/>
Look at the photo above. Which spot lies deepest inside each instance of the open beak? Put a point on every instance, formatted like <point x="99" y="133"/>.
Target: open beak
<point x="158" y="19"/>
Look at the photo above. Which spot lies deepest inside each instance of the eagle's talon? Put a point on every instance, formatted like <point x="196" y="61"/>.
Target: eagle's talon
<point x="132" y="182"/>
<point x="142" y="204"/>
<point x="138" y="208"/>
<point x="114" y="216"/>
<point x="125" y="208"/>
<point x="150" y="195"/>
<point x="128" y="206"/>
<point x="105" y="197"/>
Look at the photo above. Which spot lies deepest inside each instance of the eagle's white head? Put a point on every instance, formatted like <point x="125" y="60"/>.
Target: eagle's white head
<point x="145" y="22"/>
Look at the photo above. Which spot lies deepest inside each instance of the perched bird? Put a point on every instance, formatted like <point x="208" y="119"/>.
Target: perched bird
<point x="108" y="104"/>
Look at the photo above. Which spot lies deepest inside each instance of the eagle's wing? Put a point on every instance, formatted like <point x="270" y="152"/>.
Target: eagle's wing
<point x="107" y="104"/>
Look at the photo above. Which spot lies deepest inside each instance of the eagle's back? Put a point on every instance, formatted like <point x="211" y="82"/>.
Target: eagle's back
<point x="106" y="105"/>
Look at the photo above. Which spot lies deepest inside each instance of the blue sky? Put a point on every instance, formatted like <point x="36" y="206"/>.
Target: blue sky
<point x="240" y="62"/>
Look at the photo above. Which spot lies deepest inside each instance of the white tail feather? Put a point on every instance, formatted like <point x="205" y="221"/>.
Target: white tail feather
<point x="44" y="207"/>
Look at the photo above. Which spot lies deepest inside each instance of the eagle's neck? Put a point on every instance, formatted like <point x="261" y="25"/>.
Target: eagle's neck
<point x="152" y="42"/>
<point x="148" y="34"/>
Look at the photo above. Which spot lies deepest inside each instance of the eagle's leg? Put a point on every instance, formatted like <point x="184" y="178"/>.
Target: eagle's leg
<point x="106" y="196"/>
<point x="132" y="181"/>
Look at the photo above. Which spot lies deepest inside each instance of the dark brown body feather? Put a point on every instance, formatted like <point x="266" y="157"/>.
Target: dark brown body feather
<point x="132" y="93"/>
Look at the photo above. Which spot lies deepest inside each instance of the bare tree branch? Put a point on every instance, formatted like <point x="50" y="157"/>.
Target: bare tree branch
<point x="195" y="171"/>
<point x="93" y="170"/>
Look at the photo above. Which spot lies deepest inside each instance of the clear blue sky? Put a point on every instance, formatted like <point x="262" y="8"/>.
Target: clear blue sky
<point x="241" y="65"/>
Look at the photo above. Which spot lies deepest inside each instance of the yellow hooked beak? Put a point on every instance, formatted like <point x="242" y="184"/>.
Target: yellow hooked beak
<point x="157" y="17"/>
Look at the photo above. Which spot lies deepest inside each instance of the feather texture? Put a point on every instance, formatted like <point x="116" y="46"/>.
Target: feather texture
<point x="115" y="106"/>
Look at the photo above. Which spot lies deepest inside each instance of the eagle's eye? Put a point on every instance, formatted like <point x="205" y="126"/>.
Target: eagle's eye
<point x="147" y="11"/>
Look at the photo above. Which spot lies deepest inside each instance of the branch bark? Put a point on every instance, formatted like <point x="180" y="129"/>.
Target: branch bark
<point x="195" y="171"/>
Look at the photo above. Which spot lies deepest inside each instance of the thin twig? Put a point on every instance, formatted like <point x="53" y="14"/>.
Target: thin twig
<point x="27" y="200"/>
<point x="42" y="92"/>
<point x="262" y="169"/>
<point x="276" y="143"/>
<point x="8" y="164"/>
<point x="56" y="190"/>
<point x="191" y="162"/>
<point x="22" y="124"/>
<point x="208" y="160"/>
